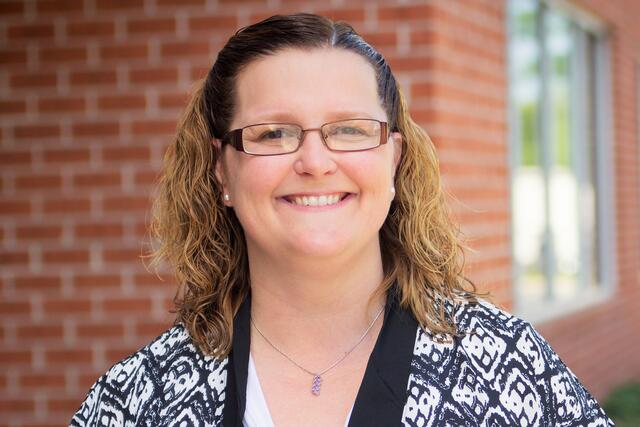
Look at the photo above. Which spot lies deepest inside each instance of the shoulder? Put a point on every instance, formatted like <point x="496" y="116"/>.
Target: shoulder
<point x="156" y="382"/>
<point x="502" y="367"/>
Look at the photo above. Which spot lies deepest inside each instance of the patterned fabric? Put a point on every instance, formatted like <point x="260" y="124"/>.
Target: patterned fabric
<point x="503" y="373"/>
<point x="167" y="383"/>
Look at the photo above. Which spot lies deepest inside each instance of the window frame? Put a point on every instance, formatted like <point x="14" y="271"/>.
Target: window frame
<point x="604" y="186"/>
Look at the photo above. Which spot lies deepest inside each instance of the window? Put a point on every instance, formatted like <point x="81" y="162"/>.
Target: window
<point x="559" y="159"/>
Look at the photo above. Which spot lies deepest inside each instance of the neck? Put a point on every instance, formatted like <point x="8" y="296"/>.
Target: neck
<point x="294" y="300"/>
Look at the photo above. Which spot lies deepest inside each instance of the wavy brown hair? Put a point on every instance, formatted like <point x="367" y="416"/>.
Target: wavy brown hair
<point x="422" y="252"/>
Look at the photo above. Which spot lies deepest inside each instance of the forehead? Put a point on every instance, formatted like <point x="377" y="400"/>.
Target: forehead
<point x="309" y="86"/>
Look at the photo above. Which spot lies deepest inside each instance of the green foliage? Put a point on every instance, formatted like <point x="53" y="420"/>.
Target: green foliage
<point x="623" y="405"/>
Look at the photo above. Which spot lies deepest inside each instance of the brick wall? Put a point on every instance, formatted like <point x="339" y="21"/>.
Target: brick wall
<point x="90" y="94"/>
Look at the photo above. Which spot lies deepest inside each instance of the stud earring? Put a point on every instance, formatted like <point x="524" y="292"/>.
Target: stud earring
<point x="226" y="197"/>
<point x="393" y="190"/>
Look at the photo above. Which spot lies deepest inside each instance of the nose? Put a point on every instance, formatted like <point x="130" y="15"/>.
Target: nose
<point x="313" y="157"/>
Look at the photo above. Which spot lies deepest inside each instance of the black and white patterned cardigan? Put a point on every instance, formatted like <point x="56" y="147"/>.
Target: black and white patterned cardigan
<point x="504" y="374"/>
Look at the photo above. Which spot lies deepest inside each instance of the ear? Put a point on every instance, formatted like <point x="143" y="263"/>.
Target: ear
<point x="219" y="170"/>
<point x="397" y="148"/>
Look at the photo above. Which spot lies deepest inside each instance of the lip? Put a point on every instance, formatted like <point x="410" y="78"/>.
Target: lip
<point x="341" y="203"/>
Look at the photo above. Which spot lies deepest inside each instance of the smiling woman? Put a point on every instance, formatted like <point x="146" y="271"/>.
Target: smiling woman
<point x="321" y="277"/>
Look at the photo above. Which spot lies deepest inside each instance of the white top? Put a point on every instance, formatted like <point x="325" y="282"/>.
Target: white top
<point x="256" y="413"/>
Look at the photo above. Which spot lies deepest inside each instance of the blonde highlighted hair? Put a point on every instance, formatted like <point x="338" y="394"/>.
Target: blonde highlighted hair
<point x="423" y="256"/>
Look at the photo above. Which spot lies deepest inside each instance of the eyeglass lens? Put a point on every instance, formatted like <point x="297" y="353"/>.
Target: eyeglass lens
<point x="280" y="138"/>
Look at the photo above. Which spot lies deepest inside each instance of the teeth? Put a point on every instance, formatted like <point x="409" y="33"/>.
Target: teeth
<point x="317" y="200"/>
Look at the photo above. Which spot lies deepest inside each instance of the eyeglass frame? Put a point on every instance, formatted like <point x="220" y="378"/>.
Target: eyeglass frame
<point x="234" y="137"/>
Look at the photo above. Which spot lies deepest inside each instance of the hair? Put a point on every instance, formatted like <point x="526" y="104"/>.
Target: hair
<point x="422" y="249"/>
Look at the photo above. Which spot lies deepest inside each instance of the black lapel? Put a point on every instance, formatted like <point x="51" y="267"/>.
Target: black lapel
<point x="383" y="392"/>
<point x="237" y="366"/>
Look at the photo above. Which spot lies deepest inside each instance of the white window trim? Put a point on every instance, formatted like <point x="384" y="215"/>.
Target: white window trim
<point x="541" y="312"/>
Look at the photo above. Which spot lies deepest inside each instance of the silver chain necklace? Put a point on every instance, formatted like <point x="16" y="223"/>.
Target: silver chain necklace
<point x="317" y="376"/>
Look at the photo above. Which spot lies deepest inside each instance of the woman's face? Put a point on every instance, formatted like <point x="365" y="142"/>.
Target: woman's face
<point x="309" y="88"/>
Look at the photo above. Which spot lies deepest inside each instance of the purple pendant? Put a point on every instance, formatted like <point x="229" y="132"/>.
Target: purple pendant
<point x="315" y="385"/>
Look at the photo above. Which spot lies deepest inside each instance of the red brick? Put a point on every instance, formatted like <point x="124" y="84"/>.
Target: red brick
<point x="12" y="207"/>
<point x="104" y="5"/>
<point x="99" y="230"/>
<point x="199" y="72"/>
<point x="36" y="131"/>
<point x="29" y="284"/>
<point x="146" y="331"/>
<point x="61" y="104"/>
<point x="406" y="13"/>
<point x="181" y="2"/>
<point x="114" y="354"/>
<point x="124" y="52"/>
<point x="67" y="205"/>
<point x="68" y="357"/>
<point x="352" y="16"/>
<point x="59" y="6"/>
<point x="96" y="179"/>
<point x="37" y="232"/>
<point x="65" y="256"/>
<point x="100" y="330"/>
<point x="88" y="129"/>
<point x="13" y="257"/>
<point x="33" y="80"/>
<point x="153" y="75"/>
<point x="126" y="255"/>
<point x="63" y="405"/>
<point x="42" y="381"/>
<point x="91" y="28"/>
<point x="126" y="204"/>
<point x="380" y="39"/>
<point x="188" y="49"/>
<point x="15" y="405"/>
<point x="72" y="305"/>
<point x="12" y="107"/>
<point x="67" y="155"/>
<point x="15" y="357"/>
<point x="153" y="127"/>
<point x="11" y="8"/>
<point x="19" y="158"/>
<point x="151" y="280"/>
<point x="146" y="178"/>
<point x="13" y="56"/>
<point x="93" y="78"/>
<point x="126" y="305"/>
<point x="126" y="153"/>
<point x="40" y="332"/>
<point x="63" y="54"/>
<point x="151" y="26"/>
<point x="173" y="100"/>
<point x="96" y="281"/>
<point x="122" y="102"/>
<point x="212" y="23"/>
<point x="30" y="31"/>
<point x="38" y="182"/>
<point x="14" y="309"/>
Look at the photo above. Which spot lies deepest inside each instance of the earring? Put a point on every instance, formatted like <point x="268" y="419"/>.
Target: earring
<point x="393" y="190"/>
<point x="226" y="197"/>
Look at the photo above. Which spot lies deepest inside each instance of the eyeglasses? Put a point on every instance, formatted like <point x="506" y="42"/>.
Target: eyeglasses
<point x="272" y="139"/>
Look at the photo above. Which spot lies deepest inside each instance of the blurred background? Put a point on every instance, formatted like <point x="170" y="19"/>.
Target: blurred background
<point x="533" y="106"/>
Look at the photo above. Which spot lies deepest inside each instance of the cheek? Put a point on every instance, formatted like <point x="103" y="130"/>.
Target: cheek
<point x="254" y="180"/>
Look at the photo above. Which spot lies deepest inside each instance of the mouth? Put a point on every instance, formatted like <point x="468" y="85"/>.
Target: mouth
<point x="316" y="200"/>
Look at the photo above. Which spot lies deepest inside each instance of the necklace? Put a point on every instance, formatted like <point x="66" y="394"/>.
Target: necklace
<point x="317" y="376"/>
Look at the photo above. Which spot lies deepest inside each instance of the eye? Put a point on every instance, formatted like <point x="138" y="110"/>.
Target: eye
<point x="349" y="130"/>
<point x="273" y="134"/>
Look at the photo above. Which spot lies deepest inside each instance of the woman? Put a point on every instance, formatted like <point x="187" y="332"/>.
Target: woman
<point x="321" y="277"/>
